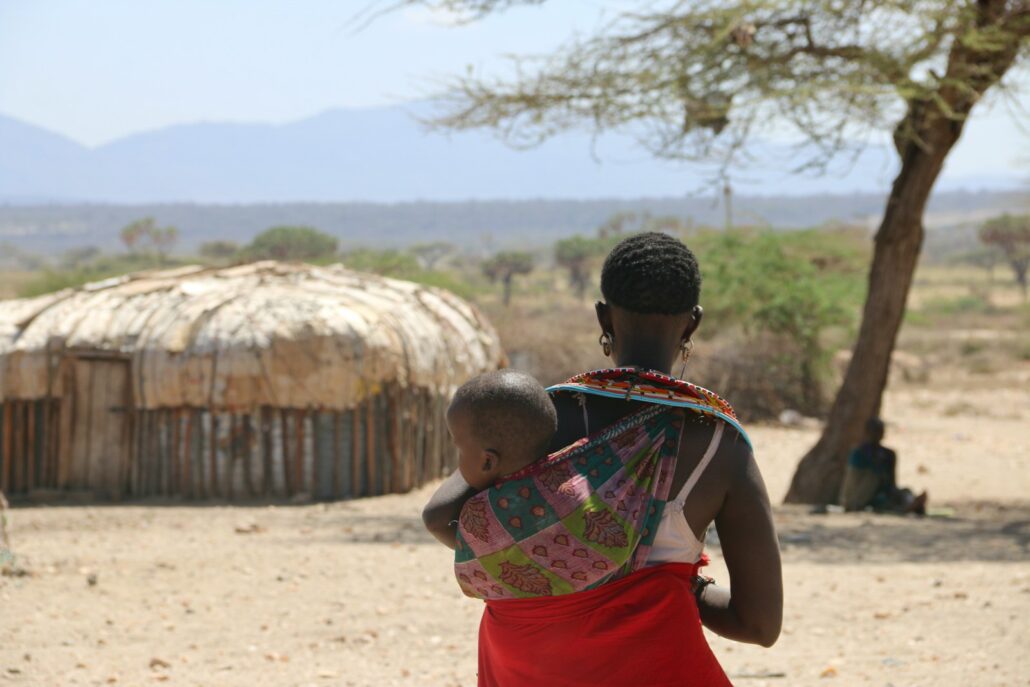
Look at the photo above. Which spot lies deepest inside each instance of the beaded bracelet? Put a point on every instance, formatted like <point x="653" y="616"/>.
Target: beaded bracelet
<point x="699" y="583"/>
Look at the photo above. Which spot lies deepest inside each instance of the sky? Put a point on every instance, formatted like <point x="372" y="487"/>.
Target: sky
<point x="96" y="70"/>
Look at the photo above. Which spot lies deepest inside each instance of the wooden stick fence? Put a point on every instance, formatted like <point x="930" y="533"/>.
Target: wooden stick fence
<point x="391" y="442"/>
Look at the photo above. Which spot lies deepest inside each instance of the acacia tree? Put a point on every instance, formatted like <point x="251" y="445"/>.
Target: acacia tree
<point x="1010" y="234"/>
<point x="163" y="239"/>
<point x="577" y="255"/>
<point x="505" y="266"/>
<point x="698" y="79"/>
<point x="292" y="243"/>
<point x="144" y="233"/>
<point x="430" y="254"/>
<point x="132" y="233"/>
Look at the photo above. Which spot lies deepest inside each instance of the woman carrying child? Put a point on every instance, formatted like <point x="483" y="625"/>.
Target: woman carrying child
<point x="588" y="558"/>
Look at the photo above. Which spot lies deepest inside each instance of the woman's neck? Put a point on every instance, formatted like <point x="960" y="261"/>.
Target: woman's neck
<point x="649" y="360"/>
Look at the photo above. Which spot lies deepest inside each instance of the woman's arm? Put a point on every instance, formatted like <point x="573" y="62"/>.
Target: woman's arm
<point x="751" y="609"/>
<point x="440" y="515"/>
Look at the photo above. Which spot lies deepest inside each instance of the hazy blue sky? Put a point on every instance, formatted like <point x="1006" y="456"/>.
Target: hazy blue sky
<point x="95" y="70"/>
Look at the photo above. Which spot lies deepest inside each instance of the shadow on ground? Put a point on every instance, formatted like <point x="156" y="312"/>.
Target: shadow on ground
<point x="977" y="532"/>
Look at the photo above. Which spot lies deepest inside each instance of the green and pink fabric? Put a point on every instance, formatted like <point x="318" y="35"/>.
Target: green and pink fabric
<point x="587" y="514"/>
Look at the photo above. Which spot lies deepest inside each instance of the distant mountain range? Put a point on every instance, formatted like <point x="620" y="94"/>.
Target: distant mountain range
<point x="381" y="155"/>
<point x="477" y="226"/>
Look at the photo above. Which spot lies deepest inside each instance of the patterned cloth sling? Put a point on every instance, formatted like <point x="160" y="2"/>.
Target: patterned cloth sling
<point x="587" y="514"/>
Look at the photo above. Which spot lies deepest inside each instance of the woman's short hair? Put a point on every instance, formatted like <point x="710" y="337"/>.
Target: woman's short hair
<point x="651" y="273"/>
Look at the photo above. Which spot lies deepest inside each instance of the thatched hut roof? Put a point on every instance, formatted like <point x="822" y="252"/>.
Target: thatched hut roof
<point x="266" y="333"/>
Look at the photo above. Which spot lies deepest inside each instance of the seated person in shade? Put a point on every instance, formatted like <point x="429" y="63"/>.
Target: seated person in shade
<point x="870" y="479"/>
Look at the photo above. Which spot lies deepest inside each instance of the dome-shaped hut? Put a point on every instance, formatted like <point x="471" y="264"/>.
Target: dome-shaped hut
<point x="266" y="379"/>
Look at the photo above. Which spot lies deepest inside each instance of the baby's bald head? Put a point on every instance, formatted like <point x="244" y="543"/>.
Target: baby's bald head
<point x="505" y="413"/>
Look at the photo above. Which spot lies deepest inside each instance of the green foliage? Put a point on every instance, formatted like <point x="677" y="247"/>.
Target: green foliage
<point x="1009" y="235"/>
<point x="143" y="234"/>
<point x="699" y="79"/>
<point x="456" y="284"/>
<point x="390" y="263"/>
<point x="505" y="266"/>
<point x="77" y="258"/>
<point x="579" y="255"/>
<point x="430" y="254"/>
<point x="406" y="265"/>
<point x="937" y="308"/>
<point x="132" y="233"/>
<point x="13" y="257"/>
<point x="615" y="226"/>
<point x="219" y="250"/>
<point x="96" y="268"/>
<point x="781" y="285"/>
<point x="292" y="243"/>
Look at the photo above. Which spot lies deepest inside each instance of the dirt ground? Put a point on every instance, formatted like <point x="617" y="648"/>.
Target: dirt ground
<point x="355" y="593"/>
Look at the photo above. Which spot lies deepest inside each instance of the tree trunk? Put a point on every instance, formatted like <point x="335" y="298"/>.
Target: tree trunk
<point x="923" y="139"/>
<point x="507" y="289"/>
<point x="1020" y="268"/>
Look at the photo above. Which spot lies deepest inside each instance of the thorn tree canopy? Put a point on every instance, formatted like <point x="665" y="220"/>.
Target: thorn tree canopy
<point x="504" y="267"/>
<point x="1010" y="234"/>
<point x="699" y="79"/>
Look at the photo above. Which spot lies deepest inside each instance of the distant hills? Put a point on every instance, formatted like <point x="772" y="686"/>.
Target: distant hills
<point x="383" y="155"/>
<point x="375" y="177"/>
<point x="477" y="226"/>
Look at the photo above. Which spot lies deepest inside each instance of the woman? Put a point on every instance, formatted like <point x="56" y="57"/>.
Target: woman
<point x="635" y="620"/>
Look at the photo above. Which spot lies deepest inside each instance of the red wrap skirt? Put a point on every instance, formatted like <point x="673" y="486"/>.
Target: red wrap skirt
<point x="641" y="630"/>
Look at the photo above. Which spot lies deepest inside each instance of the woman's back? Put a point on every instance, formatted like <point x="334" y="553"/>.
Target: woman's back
<point x="576" y="417"/>
<point x="651" y="284"/>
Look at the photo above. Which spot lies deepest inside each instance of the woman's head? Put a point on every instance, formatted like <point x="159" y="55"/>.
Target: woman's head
<point x="651" y="274"/>
<point x="651" y="285"/>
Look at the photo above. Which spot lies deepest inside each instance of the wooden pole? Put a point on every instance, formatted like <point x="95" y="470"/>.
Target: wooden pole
<point x="30" y="445"/>
<point x="421" y="420"/>
<point x="187" y="463"/>
<point x="50" y="449"/>
<point x="201" y="457"/>
<point x="146" y="467"/>
<point x="337" y="455"/>
<point x="298" y="458"/>
<point x="176" y="452"/>
<point x="284" y="422"/>
<point x="19" y="447"/>
<point x="266" y="450"/>
<point x="141" y="452"/>
<point x="131" y="450"/>
<point x="68" y="411"/>
<point x="248" y="455"/>
<point x="230" y="480"/>
<point x="356" y="488"/>
<point x="213" y="457"/>
<point x="370" y="445"/>
<point x="7" y="450"/>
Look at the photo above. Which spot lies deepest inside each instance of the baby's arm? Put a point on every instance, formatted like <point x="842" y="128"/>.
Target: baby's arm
<point x="440" y="515"/>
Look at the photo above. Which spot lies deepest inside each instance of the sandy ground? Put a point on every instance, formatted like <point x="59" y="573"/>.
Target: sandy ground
<point x="355" y="593"/>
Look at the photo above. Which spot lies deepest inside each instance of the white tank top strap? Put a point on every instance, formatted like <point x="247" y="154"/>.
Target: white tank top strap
<point x="713" y="446"/>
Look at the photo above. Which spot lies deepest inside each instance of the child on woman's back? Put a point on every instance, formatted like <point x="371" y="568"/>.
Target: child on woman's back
<point x="500" y="422"/>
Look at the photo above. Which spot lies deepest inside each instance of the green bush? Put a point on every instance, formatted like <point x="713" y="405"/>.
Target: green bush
<point x="98" y="268"/>
<point x="292" y="243"/>
<point x="790" y="286"/>
<point x="404" y="265"/>
<point x="945" y="307"/>
<point x="389" y="263"/>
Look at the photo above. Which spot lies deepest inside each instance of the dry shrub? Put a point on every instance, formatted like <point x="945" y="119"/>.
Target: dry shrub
<point x="557" y="340"/>
<point x="552" y="342"/>
<point x="759" y="377"/>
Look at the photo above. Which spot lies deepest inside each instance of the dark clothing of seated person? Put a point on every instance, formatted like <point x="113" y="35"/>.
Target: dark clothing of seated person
<point x="870" y="479"/>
